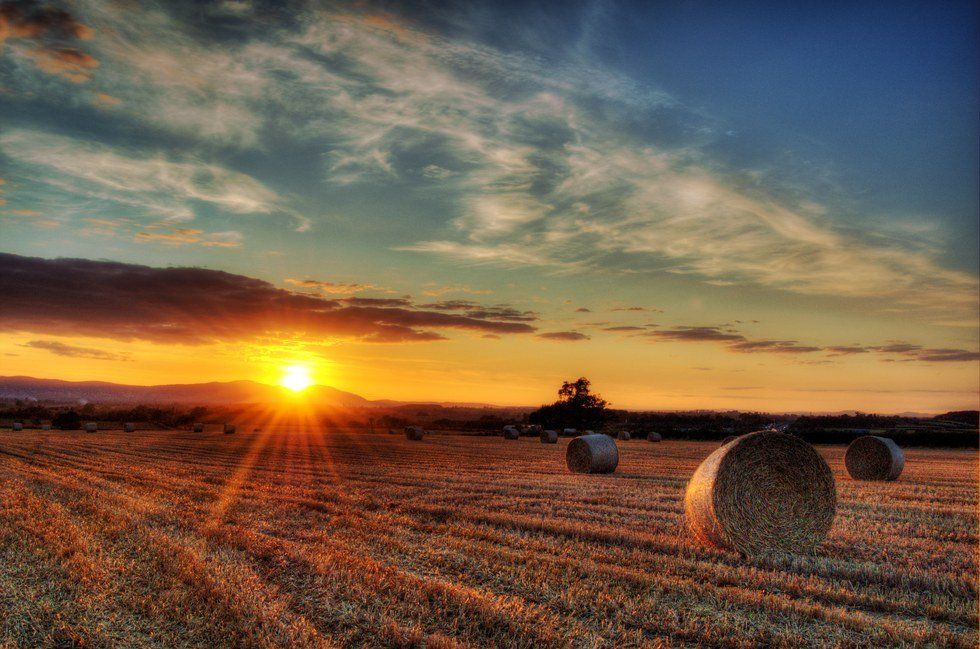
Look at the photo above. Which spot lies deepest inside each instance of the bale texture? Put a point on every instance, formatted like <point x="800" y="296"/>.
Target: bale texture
<point x="654" y="437"/>
<point x="229" y="429"/>
<point x="198" y="428"/>
<point x="549" y="437"/>
<point x="729" y="439"/>
<point x="45" y="426"/>
<point x="129" y="427"/>
<point x="592" y="454"/>
<point x="511" y="433"/>
<point x="17" y="426"/>
<point x="624" y="435"/>
<point x="762" y="492"/>
<point x="414" y="433"/>
<point x="874" y="458"/>
<point x="91" y="427"/>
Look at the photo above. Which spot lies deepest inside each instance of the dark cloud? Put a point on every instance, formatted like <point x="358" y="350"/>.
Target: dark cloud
<point x="475" y="310"/>
<point x="624" y="328"/>
<point x="696" y="334"/>
<point x="53" y="32"/>
<point x="847" y="350"/>
<point x="198" y="305"/>
<point x="61" y="349"/>
<point x="638" y="308"/>
<point x="777" y="346"/>
<point x="564" y="335"/>
<point x="376" y="301"/>
<point x="946" y="355"/>
<point x="582" y="309"/>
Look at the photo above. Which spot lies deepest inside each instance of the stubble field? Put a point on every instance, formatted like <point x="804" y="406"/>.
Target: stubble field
<point x="312" y="538"/>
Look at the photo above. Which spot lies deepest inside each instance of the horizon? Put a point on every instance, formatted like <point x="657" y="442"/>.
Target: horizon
<point x="773" y="210"/>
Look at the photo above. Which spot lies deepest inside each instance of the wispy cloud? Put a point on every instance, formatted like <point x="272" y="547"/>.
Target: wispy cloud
<point x="566" y="336"/>
<point x="62" y="349"/>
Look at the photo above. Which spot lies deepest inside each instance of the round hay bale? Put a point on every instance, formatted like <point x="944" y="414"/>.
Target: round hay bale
<point x="729" y="439"/>
<point x="874" y="458"/>
<point x="129" y="427"/>
<point x="511" y="433"/>
<point x="91" y="427"/>
<point x="654" y="437"/>
<point x="570" y="431"/>
<point x="229" y="429"/>
<point x="763" y="492"/>
<point x="414" y="433"/>
<point x="549" y="437"/>
<point x="624" y="435"/>
<point x="45" y="426"/>
<point x="17" y="426"/>
<point x="198" y="427"/>
<point x="592" y="454"/>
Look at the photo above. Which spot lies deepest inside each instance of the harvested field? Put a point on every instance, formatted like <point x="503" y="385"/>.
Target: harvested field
<point x="326" y="539"/>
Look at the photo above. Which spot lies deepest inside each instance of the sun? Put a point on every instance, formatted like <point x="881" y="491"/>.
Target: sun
<point x="296" y="378"/>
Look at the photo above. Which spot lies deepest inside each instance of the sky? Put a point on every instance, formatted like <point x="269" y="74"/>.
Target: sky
<point x="754" y="206"/>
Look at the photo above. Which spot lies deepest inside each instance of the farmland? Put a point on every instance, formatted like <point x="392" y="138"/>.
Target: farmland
<point x="314" y="538"/>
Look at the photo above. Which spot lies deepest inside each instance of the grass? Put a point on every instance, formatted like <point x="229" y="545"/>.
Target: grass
<point x="293" y="538"/>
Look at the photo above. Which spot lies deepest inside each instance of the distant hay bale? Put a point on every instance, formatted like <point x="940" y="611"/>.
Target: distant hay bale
<point x="17" y="426"/>
<point x="198" y="427"/>
<point x="46" y="427"/>
<point x="592" y="454"/>
<point x="549" y="436"/>
<point x="624" y="435"/>
<point x="414" y="433"/>
<point x="229" y="429"/>
<point x="510" y="432"/>
<point x="129" y="427"/>
<point x="589" y="432"/>
<point x="654" y="437"/>
<point x="570" y="431"/>
<point x="762" y="492"/>
<point x="91" y="427"/>
<point x="874" y="458"/>
<point x="729" y="439"/>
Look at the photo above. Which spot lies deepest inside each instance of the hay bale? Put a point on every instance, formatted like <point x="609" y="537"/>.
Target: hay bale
<point x="45" y="426"/>
<point x="592" y="454"/>
<point x="91" y="427"/>
<point x="729" y="439"/>
<point x="17" y="426"/>
<point x="129" y="427"/>
<point x="570" y="431"/>
<point x="624" y="435"/>
<point x="229" y="429"/>
<point x="414" y="433"/>
<point x="654" y="437"/>
<point x="874" y="458"/>
<point x="511" y="433"/>
<point x="549" y="436"/>
<point x="763" y="492"/>
<point x="198" y="427"/>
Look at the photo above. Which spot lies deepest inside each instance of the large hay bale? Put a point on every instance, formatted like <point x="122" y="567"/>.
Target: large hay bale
<point x="199" y="427"/>
<point x="17" y="426"/>
<point x="91" y="427"/>
<point x="510" y="432"/>
<point x="229" y="429"/>
<point x="414" y="433"/>
<point x="129" y="427"/>
<point x="570" y="431"/>
<point x="45" y="426"/>
<point x="592" y="454"/>
<point x="729" y="439"/>
<point x="549" y="436"/>
<point x="624" y="435"/>
<point x="654" y="437"/>
<point x="762" y="492"/>
<point x="874" y="458"/>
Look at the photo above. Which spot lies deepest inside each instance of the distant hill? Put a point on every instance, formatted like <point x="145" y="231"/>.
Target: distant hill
<point x="26" y="387"/>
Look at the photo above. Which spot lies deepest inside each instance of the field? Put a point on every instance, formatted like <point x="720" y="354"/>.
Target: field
<point x="299" y="538"/>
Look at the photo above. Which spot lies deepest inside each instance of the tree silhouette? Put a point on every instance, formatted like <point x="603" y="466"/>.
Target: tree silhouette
<point x="576" y="407"/>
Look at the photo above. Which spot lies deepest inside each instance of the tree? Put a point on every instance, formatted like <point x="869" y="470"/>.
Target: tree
<point x="576" y="407"/>
<point x="67" y="420"/>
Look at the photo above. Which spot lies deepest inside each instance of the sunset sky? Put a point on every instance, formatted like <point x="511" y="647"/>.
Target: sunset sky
<point x="693" y="204"/>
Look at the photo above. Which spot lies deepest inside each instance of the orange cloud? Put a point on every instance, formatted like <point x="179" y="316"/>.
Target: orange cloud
<point x="70" y="63"/>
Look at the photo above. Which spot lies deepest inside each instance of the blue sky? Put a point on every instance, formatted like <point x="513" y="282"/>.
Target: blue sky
<point x="776" y="180"/>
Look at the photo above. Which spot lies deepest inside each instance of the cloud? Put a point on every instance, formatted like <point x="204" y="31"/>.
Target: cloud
<point x="333" y="288"/>
<point x="154" y="184"/>
<point x="185" y="236"/>
<point x="475" y="310"/>
<point x="62" y="349"/>
<point x="622" y="328"/>
<point x="583" y="309"/>
<point x="737" y="342"/>
<point x="564" y="335"/>
<point x="184" y="305"/>
<point x="51" y="33"/>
